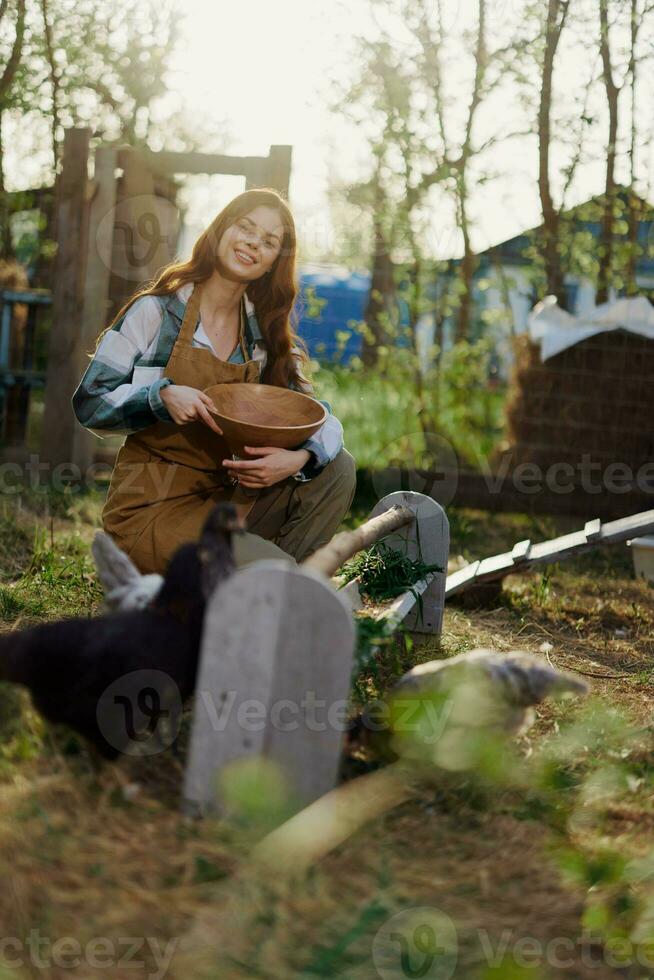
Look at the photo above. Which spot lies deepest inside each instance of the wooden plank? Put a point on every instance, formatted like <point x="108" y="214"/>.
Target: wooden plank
<point x="256" y="173"/>
<point x="171" y="162"/>
<point x="498" y="563"/>
<point x="64" y="352"/>
<point x="635" y="524"/>
<point x="462" y="578"/>
<point x="521" y="551"/>
<point x="273" y="683"/>
<point x="497" y="493"/>
<point x="43" y="296"/>
<point x="403" y="605"/>
<point x="426" y="538"/>
<point x="554" y="550"/>
<point x="593" y="529"/>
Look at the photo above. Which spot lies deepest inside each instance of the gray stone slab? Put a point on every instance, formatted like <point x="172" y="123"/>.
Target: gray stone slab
<point x="273" y="682"/>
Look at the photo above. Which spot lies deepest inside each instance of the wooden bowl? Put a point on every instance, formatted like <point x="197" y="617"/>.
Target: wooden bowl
<point x="264" y="415"/>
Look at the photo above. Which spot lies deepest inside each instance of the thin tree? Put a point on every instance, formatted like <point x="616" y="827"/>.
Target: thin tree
<point x="55" y="83"/>
<point x="453" y="160"/>
<point x="7" y="78"/>
<point x="612" y="90"/>
<point x="557" y="11"/>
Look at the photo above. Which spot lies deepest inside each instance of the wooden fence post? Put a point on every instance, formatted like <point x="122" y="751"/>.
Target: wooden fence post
<point x="99" y="258"/>
<point x="279" y="168"/>
<point x="60" y="441"/>
<point x="146" y="225"/>
<point x="273" y="682"/>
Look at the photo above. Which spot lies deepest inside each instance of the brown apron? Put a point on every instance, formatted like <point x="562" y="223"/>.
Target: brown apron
<point x="168" y="477"/>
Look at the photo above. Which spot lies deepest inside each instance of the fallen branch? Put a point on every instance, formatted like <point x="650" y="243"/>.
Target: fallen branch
<point x="331" y="820"/>
<point x="345" y="545"/>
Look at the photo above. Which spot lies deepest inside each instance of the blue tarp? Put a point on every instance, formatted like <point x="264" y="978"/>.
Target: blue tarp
<point x="346" y="295"/>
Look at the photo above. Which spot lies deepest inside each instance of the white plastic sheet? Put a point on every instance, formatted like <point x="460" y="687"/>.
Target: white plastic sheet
<point x="556" y="329"/>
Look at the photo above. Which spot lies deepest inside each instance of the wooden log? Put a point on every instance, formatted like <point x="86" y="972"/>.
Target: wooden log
<point x="346" y="544"/>
<point x="273" y="682"/>
<point x="311" y="834"/>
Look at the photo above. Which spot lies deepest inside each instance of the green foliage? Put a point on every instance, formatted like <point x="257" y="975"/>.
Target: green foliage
<point x="374" y="640"/>
<point x="385" y="573"/>
<point x="388" y="421"/>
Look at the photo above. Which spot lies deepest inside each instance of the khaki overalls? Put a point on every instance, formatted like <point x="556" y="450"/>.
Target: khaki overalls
<point x="168" y="477"/>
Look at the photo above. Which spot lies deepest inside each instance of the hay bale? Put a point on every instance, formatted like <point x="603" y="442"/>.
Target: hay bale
<point x="592" y="399"/>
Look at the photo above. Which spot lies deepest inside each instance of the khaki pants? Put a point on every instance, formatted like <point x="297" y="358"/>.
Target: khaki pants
<point x="292" y="519"/>
<point x="289" y="520"/>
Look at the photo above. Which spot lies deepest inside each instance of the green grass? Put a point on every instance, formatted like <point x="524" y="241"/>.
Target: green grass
<point x="380" y="416"/>
<point x="385" y="573"/>
<point x="46" y="571"/>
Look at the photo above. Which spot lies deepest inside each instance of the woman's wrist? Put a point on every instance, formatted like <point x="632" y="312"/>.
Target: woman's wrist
<point x="303" y="456"/>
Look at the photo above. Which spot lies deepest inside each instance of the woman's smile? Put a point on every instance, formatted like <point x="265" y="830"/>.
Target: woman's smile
<point x="244" y="257"/>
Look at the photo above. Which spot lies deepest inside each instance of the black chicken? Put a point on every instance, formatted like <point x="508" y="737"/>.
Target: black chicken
<point x="112" y="678"/>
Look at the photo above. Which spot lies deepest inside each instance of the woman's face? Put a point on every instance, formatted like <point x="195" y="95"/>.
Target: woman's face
<point x="250" y="246"/>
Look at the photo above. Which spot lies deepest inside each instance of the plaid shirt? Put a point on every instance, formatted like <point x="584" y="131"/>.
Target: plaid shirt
<point x="121" y="388"/>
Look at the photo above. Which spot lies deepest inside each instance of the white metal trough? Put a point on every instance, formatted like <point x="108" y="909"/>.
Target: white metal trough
<point x="277" y="655"/>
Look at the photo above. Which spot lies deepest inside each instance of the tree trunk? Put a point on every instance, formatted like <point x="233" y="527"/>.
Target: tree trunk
<point x="467" y="267"/>
<point x="605" y="273"/>
<point x="54" y="83"/>
<point x="633" y="202"/>
<point x="556" y="14"/>
<point x="6" y="82"/>
<point x="6" y="244"/>
<point x="382" y="284"/>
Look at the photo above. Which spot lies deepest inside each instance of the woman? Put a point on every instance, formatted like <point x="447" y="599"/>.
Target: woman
<point x="148" y="376"/>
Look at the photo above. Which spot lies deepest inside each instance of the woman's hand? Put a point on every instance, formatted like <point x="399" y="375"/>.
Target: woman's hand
<point x="271" y="466"/>
<point x="186" y="404"/>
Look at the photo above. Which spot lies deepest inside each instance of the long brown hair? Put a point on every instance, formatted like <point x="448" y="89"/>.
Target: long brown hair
<point x="273" y="295"/>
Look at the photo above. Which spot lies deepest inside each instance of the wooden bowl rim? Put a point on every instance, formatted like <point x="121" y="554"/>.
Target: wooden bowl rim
<point x="282" y="428"/>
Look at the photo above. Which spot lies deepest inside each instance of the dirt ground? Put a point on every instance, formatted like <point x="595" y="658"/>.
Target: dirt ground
<point x="105" y="856"/>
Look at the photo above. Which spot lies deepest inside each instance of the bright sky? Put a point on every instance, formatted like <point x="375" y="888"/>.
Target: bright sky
<point x="271" y="85"/>
<point x="266" y="68"/>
